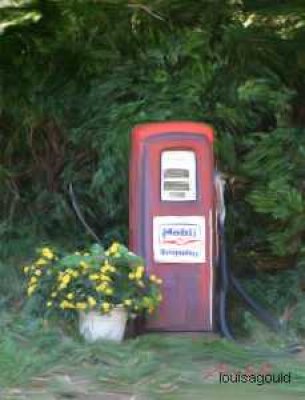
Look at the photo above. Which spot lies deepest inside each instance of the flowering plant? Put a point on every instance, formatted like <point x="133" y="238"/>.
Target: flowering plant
<point x="91" y="280"/>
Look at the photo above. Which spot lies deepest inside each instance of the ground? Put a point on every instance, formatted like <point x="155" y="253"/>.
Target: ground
<point x="39" y="362"/>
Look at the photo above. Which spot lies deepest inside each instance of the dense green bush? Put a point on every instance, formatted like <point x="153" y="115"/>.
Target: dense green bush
<point x="76" y="76"/>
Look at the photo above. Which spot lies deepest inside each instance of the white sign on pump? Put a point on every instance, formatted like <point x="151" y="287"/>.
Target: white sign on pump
<point x="178" y="175"/>
<point x="179" y="239"/>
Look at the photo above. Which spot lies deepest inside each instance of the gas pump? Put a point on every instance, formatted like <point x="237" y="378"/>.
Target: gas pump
<point x="177" y="216"/>
<point x="173" y="219"/>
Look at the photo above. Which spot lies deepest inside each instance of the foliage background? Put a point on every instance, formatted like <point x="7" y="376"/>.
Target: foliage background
<point x="76" y="76"/>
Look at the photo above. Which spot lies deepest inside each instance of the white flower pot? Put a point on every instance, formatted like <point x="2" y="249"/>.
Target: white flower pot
<point x="94" y="325"/>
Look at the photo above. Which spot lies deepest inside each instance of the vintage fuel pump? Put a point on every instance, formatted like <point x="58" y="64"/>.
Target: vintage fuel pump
<point x="177" y="225"/>
<point x="173" y="219"/>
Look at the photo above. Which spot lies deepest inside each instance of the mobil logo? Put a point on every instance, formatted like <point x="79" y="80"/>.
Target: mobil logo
<point x="179" y="239"/>
<point x="180" y="234"/>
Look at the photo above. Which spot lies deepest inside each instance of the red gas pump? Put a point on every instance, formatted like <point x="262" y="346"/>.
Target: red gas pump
<point x="173" y="219"/>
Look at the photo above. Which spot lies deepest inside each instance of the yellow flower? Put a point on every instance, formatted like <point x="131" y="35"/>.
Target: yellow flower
<point x="38" y="272"/>
<point x="33" y="280"/>
<point x="127" y="302"/>
<point x="138" y="274"/>
<point x="70" y="296"/>
<point x="26" y="269"/>
<point x="86" y="254"/>
<point x="81" y="306"/>
<point x="94" y="277"/>
<point x="106" y="307"/>
<point x="31" y="289"/>
<point x="63" y="304"/>
<point x="66" y="279"/>
<point x="107" y="253"/>
<point x="141" y="269"/>
<point x="77" y="253"/>
<point x="75" y="274"/>
<point x="102" y="287"/>
<point x="114" y="248"/>
<point x="131" y="276"/>
<point x="53" y="294"/>
<point x="62" y="286"/>
<point x="105" y="278"/>
<point x="41" y="261"/>
<point x="150" y="310"/>
<point x="83" y="264"/>
<point x="66" y="305"/>
<point x="141" y="284"/>
<point x="108" y="291"/>
<point x="107" y="268"/>
<point x="91" y="301"/>
<point x="152" y="278"/>
<point x="49" y="303"/>
<point x="47" y="253"/>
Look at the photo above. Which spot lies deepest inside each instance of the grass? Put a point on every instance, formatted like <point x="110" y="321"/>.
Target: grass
<point x="39" y="361"/>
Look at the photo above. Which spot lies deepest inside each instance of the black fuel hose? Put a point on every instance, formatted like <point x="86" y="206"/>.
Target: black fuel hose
<point x="227" y="281"/>
<point x="224" y="291"/>
<point x="255" y="307"/>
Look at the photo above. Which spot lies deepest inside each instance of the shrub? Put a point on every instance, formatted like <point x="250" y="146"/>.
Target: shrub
<point x="94" y="279"/>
